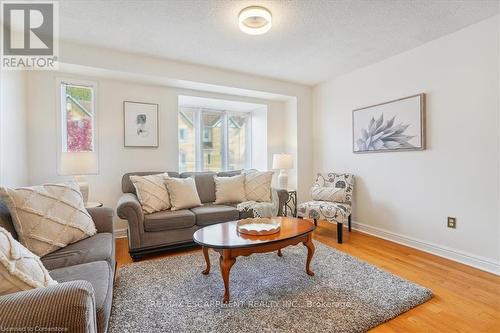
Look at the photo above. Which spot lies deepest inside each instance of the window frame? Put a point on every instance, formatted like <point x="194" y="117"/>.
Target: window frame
<point x="61" y="117"/>
<point x="199" y="136"/>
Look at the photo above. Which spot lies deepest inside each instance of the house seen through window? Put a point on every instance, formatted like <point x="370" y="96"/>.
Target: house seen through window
<point x="213" y="139"/>
<point x="77" y="108"/>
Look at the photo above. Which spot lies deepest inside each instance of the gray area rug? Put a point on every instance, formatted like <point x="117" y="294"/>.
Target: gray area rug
<point x="268" y="294"/>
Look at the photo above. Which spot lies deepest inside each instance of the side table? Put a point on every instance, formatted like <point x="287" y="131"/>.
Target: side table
<point x="290" y="206"/>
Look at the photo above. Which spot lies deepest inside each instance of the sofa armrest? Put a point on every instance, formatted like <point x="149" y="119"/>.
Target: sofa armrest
<point x="103" y="218"/>
<point x="282" y="199"/>
<point x="64" y="307"/>
<point x="129" y="208"/>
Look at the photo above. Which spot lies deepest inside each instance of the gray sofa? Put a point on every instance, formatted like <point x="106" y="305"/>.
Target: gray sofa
<point x="165" y="230"/>
<point x="85" y="270"/>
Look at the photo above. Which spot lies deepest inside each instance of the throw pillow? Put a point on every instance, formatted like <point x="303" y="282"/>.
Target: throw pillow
<point x="20" y="269"/>
<point x="48" y="217"/>
<point x="331" y="194"/>
<point x="229" y="189"/>
<point x="258" y="186"/>
<point x="183" y="193"/>
<point x="152" y="192"/>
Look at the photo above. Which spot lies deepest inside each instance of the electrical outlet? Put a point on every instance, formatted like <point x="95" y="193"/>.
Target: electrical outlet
<point x="452" y="222"/>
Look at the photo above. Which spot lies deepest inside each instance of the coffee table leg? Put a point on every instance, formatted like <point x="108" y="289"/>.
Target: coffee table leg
<point x="226" y="262"/>
<point x="279" y="253"/>
<point x="310" y="252"/>
<point x="207" y="260"/>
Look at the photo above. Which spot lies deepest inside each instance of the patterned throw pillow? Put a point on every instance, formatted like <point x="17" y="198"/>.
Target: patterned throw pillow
<point x="20" y="269"/>
<point x="258" y="186"/>
<point x="229" y="189"/>
<point x="344" y="181"/>
<point x="48" y="217"/>
<point x="152" y="192"/>
<point x="331" y="194"/>
<point x="183" y="193"/>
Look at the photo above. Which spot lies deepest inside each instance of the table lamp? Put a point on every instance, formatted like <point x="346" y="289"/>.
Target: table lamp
<point x="283" y="162"/>
<point x="78" y="165"/>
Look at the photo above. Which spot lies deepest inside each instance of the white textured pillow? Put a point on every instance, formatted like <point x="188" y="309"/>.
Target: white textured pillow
<point x="229" y="189"/>
<point x="258" y="186"/>
<point x="332" y="194"/>
<point x="152" y="192"/>
<point x="48" y="217"/>
<point x="20" y="269"/>
<point x="183" y="193"/>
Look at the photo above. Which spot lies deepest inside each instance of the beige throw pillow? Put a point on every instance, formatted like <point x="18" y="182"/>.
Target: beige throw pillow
<point x="152" y="192"/>
<point x="258" y="186"/>
<point x="48" y="217"/>
<point x="20" y="269"/>
<point x="229" y="189"/>
<point x="331" y="194"/>
<point x="183" y="193"/>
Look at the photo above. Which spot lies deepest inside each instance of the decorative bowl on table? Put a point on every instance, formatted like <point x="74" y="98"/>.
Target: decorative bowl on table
<point x="258" y="226"/>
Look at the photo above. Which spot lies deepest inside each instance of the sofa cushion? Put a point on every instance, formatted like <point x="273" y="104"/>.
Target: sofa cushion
<point x="128" y="186"/>
<point x="20" y="269"/>
<point x="100" y="275"/>
<point x="183" y="193"/>
<point x="48" y="217"/>
<point x="96" y="248"/>
<point x="152" y="192"/>
<point x="343" y="181"/>
<point x="258" y="185"/>
<point x="169" y="220"/>
<point x="211" y="214"/>
<point x="332" y="194"/>
<point x="229" y="189"/>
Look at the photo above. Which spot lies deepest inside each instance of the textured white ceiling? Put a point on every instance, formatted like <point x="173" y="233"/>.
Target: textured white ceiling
<point x="311" y="40"/>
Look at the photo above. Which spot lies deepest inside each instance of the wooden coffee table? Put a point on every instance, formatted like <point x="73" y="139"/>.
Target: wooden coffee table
<point x="225" y="239"/>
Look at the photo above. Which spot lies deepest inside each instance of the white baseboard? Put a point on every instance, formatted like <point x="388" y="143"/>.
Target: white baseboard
<point x="121" y="233"/>
<point x="478" y="262"/>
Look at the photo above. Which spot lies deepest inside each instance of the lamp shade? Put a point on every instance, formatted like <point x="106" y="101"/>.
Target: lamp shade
<point x="79" y="164"/>
<point x="282" y="161"/>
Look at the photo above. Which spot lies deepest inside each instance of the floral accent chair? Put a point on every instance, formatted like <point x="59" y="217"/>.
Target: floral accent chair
<point x="332" y="200"/>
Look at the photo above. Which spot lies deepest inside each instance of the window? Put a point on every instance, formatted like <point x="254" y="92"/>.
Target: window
<point x="77" y="118"/>
<point x="182" y="134"/>
<point x="186" y="125"/>
<point x="182" y="158"/>
<point x="214" y="140"/>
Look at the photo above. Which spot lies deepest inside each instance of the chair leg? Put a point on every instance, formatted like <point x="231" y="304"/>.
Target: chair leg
<point x="340" y="227"/>
<point x="349" y="222"/>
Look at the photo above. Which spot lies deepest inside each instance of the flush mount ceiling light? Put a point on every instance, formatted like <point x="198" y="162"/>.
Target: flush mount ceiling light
<point x="255" y="20"/>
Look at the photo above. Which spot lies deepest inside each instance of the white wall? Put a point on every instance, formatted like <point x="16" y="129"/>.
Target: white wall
<point x="408" y="195"/>
<point x="115" y="159"/>
<point x="13" y="136"/>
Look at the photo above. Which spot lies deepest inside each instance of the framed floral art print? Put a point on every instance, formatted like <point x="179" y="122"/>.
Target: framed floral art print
<point x="396" y="125"/>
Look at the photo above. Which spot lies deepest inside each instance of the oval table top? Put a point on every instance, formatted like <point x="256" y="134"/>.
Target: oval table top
<point x="225" y="235"/>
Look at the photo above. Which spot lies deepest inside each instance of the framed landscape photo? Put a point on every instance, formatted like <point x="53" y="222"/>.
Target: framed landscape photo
<point x="396" y="125"/>
<point x="140" y="124"/>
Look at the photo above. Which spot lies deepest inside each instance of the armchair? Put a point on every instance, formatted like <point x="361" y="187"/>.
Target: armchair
<point x="332" y="201"/>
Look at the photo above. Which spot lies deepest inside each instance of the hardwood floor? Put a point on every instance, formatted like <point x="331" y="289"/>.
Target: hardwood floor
<point x="465" y="299"/>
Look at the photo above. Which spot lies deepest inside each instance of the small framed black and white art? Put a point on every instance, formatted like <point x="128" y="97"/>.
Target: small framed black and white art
<point x="140" y="124"/>
<point x="396" y="125"/>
